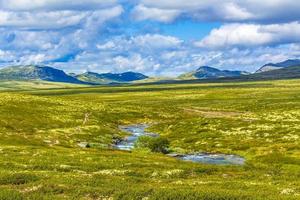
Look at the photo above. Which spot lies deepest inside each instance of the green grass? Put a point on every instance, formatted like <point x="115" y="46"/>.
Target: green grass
<point x="40" y="131"/>
<point x="33" y="85"/>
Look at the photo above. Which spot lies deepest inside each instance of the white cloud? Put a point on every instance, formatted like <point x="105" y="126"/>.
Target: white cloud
<point x="267" y="11"/>
<point x="121" y="54"/>
<point x="171" y="55"/>
<point x="134" y="61"/>
<point x="40" y="20"/>
<point x="146" y="42"/>
<point x="30" y="5"/>
<point x="6" y="56"/>
<point x="28" y="40"/>
<point x="34" y="58"/>
<point x="140" y="13"/>
<point x="55" y="19"/>
<point x="157" y="41"/>
<point x="74" y="34"/>
<point x="251" y="35"/>
<point x="106" y="46"/>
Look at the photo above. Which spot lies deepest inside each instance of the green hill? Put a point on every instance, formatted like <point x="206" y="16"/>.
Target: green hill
<point x="206" y="72"/>
<point x="110" y="78"/>
<point x="36" y="72"/>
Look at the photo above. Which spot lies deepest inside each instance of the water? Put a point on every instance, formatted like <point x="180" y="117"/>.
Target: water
<point x="136" y="131"/>
<point x="221" y="159"/>
<point x="140" y="130"/>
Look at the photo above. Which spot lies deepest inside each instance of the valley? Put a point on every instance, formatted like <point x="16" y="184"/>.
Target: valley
<point x="43" y="129"/>
<point x="149" y="100"/>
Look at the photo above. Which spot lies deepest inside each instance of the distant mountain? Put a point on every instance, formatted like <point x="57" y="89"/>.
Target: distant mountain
<point x="276" y="66"/>
<point x="281" y="73"/>
<point x="110" y="78"/>
<point x="36" y="72"/>
<point x="206" y="72"/>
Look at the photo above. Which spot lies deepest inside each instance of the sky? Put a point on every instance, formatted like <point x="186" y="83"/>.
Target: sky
<point x="154" y="37"/>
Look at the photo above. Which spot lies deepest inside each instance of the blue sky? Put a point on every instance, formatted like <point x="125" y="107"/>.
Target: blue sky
<point x="155" y="37"/>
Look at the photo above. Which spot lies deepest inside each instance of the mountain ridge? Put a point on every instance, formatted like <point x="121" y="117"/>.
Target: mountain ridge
<point x="207" y="72"/>
<point x="110" y="78"/>
<point x="47" y="73"/>
<point x="36" y="72"/>
<point x="281" y="73"/>
<point x="280" y="65"/>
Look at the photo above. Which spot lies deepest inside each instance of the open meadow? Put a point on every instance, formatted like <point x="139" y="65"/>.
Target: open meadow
<point x="41" y="129"/>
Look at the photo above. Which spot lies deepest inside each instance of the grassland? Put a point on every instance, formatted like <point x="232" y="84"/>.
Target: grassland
<point x="40" y="131"/>
<point x="33" y="85"/>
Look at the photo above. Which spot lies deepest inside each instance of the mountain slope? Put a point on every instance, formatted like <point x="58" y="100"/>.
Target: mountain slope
<point x="206" y="72"/>
<point x="276" y="66"/>
<point x="282" y="73"/>
<point x="109" y="78"/>
<point x="35" y="72"/>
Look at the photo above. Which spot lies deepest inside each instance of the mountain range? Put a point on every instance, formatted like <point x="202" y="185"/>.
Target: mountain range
<point x="275" y="66"/>
<point x="207" y="72"/>
<point x="289" y="72"/>
<point x="45" y="73"/>
<point x="286" y="69"/>
<point x="110" y="78"/>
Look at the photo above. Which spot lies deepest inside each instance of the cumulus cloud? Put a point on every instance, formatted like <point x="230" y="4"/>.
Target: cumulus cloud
<point x="28" y="40"/>
<point x="55" y="19"/>
<point x="77" y="35"/>
<point x="145" y="53"/>
<point x="40" y="20"/>
<point x="55" y="14"/>
<point x="252" y="59"/>
<point x="6" y="56"/>
<point x="140" y="13"/>
<point x="167" y="56"/>
<point x="121" y="54"/>
<point x="268" y="11"/>
<point x="34" y="58"/>
<point x="50" y="5"/>
<point x="146" y="42"/>
<point x="157" y="41"/>
<point x="251" y="35"/>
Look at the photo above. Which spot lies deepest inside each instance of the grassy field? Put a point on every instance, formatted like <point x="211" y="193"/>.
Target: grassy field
<point x="32" y="85"/>
<point x="41" y="129"/>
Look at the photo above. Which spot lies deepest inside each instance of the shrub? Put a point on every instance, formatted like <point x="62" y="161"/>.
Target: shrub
<point x="154" y="144"/>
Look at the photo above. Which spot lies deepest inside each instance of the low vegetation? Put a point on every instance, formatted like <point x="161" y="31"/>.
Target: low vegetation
<point x="41" y="131"/>
<point x="154" y="144"/>
<point x="33" y="85"/>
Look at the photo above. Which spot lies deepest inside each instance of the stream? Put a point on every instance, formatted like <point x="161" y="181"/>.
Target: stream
<point x="140" y="130"/>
